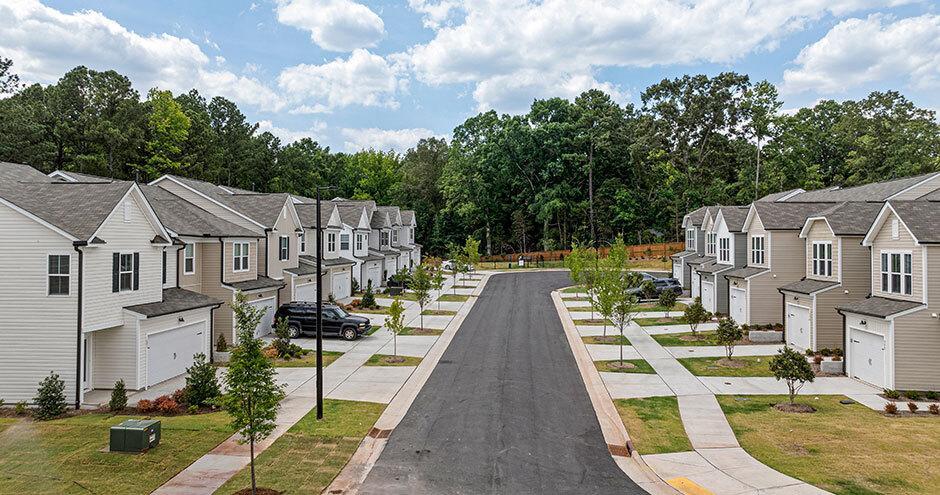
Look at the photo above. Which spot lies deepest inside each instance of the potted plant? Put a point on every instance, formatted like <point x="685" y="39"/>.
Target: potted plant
<point x="222" y="353"/>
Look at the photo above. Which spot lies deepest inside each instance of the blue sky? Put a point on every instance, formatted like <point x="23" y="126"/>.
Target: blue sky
<point x="357" y="73"/>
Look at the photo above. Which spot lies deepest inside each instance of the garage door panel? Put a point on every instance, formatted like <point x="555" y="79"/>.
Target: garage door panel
<point x="867" y="357"/>
<point x="267" y="320"/>
<point x="738" y="304"/>
<point x="695" y="284"/>
<point x="341" y="285"/>
<point x="798" y="327"/>
<point x="170" y="352"/>
<point x="306" y="292"/>
<point x="708" y="296"/>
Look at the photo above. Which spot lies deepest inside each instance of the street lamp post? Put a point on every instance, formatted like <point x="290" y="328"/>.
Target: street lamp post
<point x="320" y="307"/>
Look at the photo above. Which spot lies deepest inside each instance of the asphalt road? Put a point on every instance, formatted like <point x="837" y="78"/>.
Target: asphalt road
<point x="505" y="410"/>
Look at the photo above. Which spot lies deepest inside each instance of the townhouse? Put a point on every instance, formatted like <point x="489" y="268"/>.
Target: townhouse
<point x="83" y="292"/>
<point x="694" y="247"/>
<point x="727" y="243"/>
<point x="708" y="256"/>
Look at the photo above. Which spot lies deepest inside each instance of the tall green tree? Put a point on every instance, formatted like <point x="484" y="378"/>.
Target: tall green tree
<point x="169" y="127"/>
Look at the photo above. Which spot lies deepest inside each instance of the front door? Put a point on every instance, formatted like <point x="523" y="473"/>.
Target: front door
<point x="798" y="326"/>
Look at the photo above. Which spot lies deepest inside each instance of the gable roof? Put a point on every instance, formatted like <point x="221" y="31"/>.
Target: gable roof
<point x="260" y="208"/>
<point x="308" y="214"/>
<point x="408" y="217"/>
<point x="783" y="215"/>
<point x="782" y="195"/>
<point x="734" y="217"/>
<point x="17" y="172"/>
<point x="185" y="218"/>
<point x="367" y="203"/>
<point x="350" y="214"/>
<point x="380" y="219"/>
<point x="876" y="191"/>
<point x="394" y="214"/>
<point x="78" y="177"/>
<point x="919" y="217"/>
<point x="851" y="218"/>
<point x="695" y="217"/>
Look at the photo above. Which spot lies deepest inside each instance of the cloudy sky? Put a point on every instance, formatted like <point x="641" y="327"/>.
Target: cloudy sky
<point x="355" y="73"/>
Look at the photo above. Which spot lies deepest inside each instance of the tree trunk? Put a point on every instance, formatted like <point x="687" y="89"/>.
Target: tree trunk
<point x="251" y="443"/>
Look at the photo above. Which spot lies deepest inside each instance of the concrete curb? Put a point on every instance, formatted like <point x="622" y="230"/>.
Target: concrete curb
<point x="352" y="476"/>
<point x="615" y="434"/>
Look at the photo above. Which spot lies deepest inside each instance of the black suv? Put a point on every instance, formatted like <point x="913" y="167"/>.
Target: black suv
<point x="302" y="319"/>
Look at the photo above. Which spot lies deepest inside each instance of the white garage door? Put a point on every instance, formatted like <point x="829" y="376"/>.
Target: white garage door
<point x="677" y="270"/>
<point x="738" y="304"/>
<point x="695" y="284"/>
<point x="170" y="352"/>
<point x="374" y="274"/>
<point x="798" y="327"/>
<point x="341" y="288"/>
<point x="267" y="321"/>
<point x="306" y="292"/>
<point x="391" y="267"/>
<point x="708" y="296"/>
<point x="867" y="357"/>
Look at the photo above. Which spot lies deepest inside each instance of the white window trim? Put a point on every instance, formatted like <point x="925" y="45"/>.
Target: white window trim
<point x="281" y="256"/>
<point x="822" y="266"/>
<point x="886" y="269"/>
<point x="359" y="241"/>
<point x="121" y="272"/>
<point x="67" y="276"/>
<point x="192" y="257"/>
<point x="302" y="242"/>
<point x="348" y="242"/>
<point x="331" y="242"/>
<point x="242" y="258"/>
<point x="724" y="252"/>
<point x="762" y="250"/>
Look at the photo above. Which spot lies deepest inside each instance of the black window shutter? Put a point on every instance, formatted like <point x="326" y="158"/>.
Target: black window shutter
<point x="115" y="270"/>
<point x="136" y="271"/>
<point x="164" y="267"/>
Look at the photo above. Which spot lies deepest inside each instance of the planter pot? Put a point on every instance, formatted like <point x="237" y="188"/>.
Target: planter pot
<point x="221" y="357"/>
<point x="765" y="336"/>
<point x="832" y="367"/>
<point x="394" y="291"/>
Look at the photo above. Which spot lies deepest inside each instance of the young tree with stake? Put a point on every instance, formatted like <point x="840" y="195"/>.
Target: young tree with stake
<point x="793" y="368"/>
<point x="695" y="315"/>
<point x="437" y="281"/>
<point x="421" y="287"/>
<point x="616" y="281"/>
<point x="395" y="323"/>
<point x="728" y="334"/>
<point x="252" y="395"/>
<point x="667" y="299"/>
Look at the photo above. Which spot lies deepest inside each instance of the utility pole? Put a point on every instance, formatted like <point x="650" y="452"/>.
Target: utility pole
<point x="319" y="307"/>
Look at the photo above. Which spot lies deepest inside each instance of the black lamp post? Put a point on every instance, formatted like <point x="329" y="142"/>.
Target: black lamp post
<point x="320" y="307"/>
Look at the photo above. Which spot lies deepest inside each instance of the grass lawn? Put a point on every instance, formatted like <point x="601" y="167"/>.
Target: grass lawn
<point x="648" y="322"/>
<point x="405" y="296"/>
<point x="611" y="339"/>
<point x="574" y="290"/>
<point x="64" y="456"/>
<point x="751" y="366"/>
<point x="382" y="360"/>
<point x="654" y="424"/>
<point x="421" y="331"/>
<point x="845" y="449"/>
<point x="382" y="310"/>
<point x="675" y="339"/>
<point x="640" y="366"/>
<point x="438" y="312"/>
<point x="309" y="455"/>
<point x="578" y="308"/>
<point x="453" y="297"/>
<point x="595" y="321"/>
<point x="653" y="306"/>
<point x="577" y="298"/>
<point x="464" y="287"/>
<point x="373" y="329"/>
<point x="308" y="360"/>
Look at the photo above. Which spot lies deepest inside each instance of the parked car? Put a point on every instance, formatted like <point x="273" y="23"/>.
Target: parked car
<point x="660" y="284"/>
<point x="302" y="320"/>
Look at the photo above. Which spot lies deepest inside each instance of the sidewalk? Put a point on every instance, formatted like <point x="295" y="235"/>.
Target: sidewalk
<point x="345" y="378"/>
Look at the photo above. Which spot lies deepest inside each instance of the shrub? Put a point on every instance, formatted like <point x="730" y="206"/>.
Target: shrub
<point x="667" y="300"/>
<point x="355" y="286"/>
<point x="745" y="328"/>
<point x="891" y="408"/>
<point x="145" y="406"/>
<point x="648" y="289"/>
<point x="166" y="405"/>
<point x="20" y="408"/>
<point x="118" y="397"/>
<point x="809" y="352"/>
<point x="825" y="351"/>
<point x="221" y="344"/>
<point x="912" y="395"/>
<point x="932" y="395"/>
<point x="695" y="314"/>
<point x="837" y="358"/>
<point x="368" y="298"/>
<point x="838" y="352"/>
<point x="934" y="409"/>
<point x="728" y="333"/>
<point x="790" y="366"/>
<point x="202" y="386"/>
<point x="892" y="394"/>
<point x="50" y="398"/>
<point x="912" y="407"/>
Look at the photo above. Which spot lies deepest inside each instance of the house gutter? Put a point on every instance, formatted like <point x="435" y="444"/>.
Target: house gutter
<point x="77" y="245"/>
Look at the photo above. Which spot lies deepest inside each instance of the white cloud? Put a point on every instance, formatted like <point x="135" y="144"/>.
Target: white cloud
<point x="336" y="25"/>
<point x="362" y="79"/>
<point x="44" y="43"/>
<point x="489" y="43"/>
<point x="514" y="93"/>
<point x="384" y="139"/>
<point x="860" y="51"/>
<point x="288" y="136"/>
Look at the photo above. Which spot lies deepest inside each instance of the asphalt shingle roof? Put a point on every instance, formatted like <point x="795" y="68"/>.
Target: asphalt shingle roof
<point x="17" y="172"/>
<point x="746" y="272"/>
<point x="263" y="208"/>
<point x="393" y="213"/>
<point x="261" y="282"/>
<point x="877" y="191"/>
<point x="308" y="214"/>
<point x="76" y="208"/>
<point x="854" y="218"/>
<point x="682" y="254"/>
<point x="879" y="307"/>
<point x="80" y="177"/>
<point x="175" y="300"/>
<point x="340" y="261"/>
<point x="778" y="195"/>
<point x="786" y="215"/>
<point x="407" y="216"/>
<point x="303" y="269"/>
<point x="699" y="260"/>
<point x="712" y="267"/>
<point x="808" y="286"/>
<point x="696" y="216"/>
<point x="922" y="218"/>
<point x="185" y="218"/>
<point x="734" y="217"/>
<point x="350" y="214"/>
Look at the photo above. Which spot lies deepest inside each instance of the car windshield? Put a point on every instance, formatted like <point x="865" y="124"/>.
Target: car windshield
<point x="341" y="312"/>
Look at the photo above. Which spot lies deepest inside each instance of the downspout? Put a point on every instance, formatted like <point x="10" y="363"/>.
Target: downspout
<point x="78" y="327"/>
<point x="267" y="250"/>
<point x="177" y="263"/>
<point x="211" y="332"/>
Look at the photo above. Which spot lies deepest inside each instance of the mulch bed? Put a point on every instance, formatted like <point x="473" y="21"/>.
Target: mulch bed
<point x="622" y="366"/>
<point x="731" y="363"/>
<point x="794" y="408"/>
<point x="258" y="491"/>
<point x="391" y="359"/>
<point x="423" y="331"/>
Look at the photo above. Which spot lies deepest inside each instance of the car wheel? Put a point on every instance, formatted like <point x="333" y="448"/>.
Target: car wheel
<point x="293" y="331"/>
<point x="349" y="333"/>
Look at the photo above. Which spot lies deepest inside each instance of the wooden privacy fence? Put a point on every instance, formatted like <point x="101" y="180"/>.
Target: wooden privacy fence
<point x="638" y="251"/>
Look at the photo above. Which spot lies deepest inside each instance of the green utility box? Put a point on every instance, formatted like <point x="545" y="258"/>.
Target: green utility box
<point x="135" y="435"/>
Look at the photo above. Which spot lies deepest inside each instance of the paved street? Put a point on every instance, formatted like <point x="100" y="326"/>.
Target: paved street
<point x="505" y="411"/>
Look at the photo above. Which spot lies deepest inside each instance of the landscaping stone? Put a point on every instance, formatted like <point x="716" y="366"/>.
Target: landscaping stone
<point x="221" y="357"/>
<point x="832" y="367"/>
<point x="765" y="336"/>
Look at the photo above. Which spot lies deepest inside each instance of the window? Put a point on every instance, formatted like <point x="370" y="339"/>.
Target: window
<point x="344" y="242"/>
<point x="284" y="248"/>
<point x="757" y="250"/>
<point x="395" y="236"/>
<point x="690" y="239"/>
<point x="822" y="259"/>
<point x="897" y="273"/>
<point x="302" y="242"/>
<point x="189" y="259"/>
<point x="126" y="273"/>
<point x="384" y="238"/>
<point x="330" y="242"/>
<point x="240" y="257"/>
<point x="724" y="249"/>
<point x="58" y="274"/>
<point x="359" y="238"/>
<point x="411" y="235"/>
<point x="710" y="243"/>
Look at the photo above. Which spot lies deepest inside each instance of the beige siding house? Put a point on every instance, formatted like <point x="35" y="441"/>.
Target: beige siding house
<point x="893" y="336"/>
<point x="694" y="247"/>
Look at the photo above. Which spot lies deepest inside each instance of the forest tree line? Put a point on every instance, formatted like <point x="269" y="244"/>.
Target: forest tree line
<point x="585" y="170"/>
